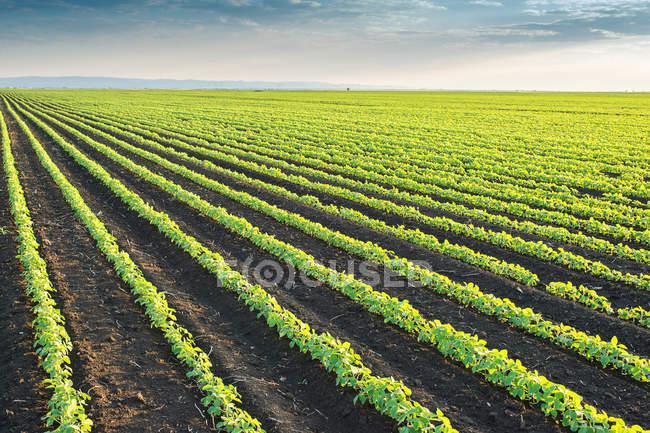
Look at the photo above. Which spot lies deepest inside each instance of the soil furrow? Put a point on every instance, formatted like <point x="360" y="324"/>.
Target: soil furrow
<point x="23" y="397"/>
<point x="560" y="310"/>
<point x="620" y="294"/>
<point x="333" y="305"/>
<point x="282" y="387"/>
<point x="626" y="265"/>
<point x="124" y="365"/>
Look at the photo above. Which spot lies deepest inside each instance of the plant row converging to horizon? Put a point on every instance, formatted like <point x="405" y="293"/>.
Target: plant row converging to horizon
<point x="524" y="214"/>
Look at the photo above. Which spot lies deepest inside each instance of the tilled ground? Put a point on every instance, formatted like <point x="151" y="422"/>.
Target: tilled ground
<point x="20" y="389"/>
<point x="134" y="381"/>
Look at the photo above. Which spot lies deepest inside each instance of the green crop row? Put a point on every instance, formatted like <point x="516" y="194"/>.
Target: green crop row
<point x="220" y="399"/>
<point x="512" y="208"/>
<point x="592" y="348"/>
<point x="343" y="159"/>
<point x="551" y="232"/>
<point x="389" y="396"/>
<point x="478" y="157"/>
<point x="405" y="168"/>
<point x="501" y="239"/>
<point x="434" y="181"/>
<point x="554" y="399"/>
<point x="287" y="152"/>
<point x="428" y="241"/>
<point x="66" y="405"/>
<point x="578" y="294"/>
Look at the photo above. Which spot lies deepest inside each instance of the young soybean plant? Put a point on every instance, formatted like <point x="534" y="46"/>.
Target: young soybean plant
<point x="387" y="395"/>
<point x="496" y="366"/>
<point x="66" y="405"/>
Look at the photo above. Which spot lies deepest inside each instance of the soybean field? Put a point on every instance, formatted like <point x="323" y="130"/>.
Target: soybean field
<point x="302" y="261"/>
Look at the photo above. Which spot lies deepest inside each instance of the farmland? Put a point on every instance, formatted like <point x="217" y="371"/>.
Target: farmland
<point x="325" y="261"/>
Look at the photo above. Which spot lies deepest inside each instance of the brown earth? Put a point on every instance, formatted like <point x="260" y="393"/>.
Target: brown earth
<point x="137" y="385"/>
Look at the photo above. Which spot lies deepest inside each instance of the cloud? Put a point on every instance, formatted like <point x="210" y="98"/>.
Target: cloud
<point x="587" y="9"/>
<point x="249" y="23"/>
<point x="428" y="5"/>
<point x="607" y="33"/>
<point x="504" y="31"/>
<point x="238" y="3"/>
<point x="313" y="4"/>
<point x="487" y="3"/>
<point x="534" y="12"/>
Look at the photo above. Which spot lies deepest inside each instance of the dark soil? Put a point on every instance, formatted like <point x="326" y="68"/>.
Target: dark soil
<point x="126" y="367"/>
<point x="369" y="335"/>
<point x="555" y="308"/>
<point x="280" y="386"/>
<point x="624" y="265"/>
<point x="435" y="197"/>
<point x="23" y="399"/>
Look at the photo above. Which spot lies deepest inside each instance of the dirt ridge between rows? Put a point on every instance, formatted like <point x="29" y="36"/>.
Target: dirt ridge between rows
<point x="217" y="319"/>
<point x="112" y="167"/>
<point x="130" y="390"/>
<point x="625" y="264"/>
<point x="23" y="397"/>
<point x="637" y="338"/>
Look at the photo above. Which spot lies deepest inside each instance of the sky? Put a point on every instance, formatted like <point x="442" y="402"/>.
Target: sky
<point x="437" y="44"/>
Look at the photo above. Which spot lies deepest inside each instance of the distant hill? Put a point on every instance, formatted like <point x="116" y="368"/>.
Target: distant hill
<point x="138" y="83"/>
